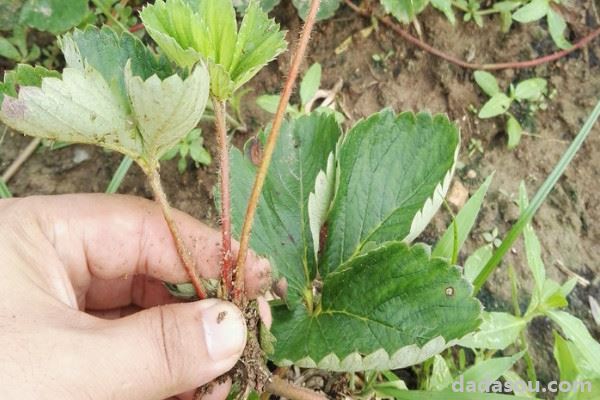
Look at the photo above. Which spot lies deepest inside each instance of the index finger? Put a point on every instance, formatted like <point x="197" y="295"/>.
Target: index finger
<point x="107" y="237"/>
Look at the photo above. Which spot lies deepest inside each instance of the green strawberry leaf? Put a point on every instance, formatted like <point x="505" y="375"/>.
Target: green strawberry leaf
<point x="210" y="33"/>
<point x="326" y="10"/>
<point x="181" y="104"/>
<point x="54" y="16"/>
<point x="281" y="228"/>
<point x="9" y="14"/>
<point x="390" y="308"/>
<point x="394" y="172"/>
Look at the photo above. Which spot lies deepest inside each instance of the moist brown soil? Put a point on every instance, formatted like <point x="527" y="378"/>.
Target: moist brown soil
<point x="411" y="80"/>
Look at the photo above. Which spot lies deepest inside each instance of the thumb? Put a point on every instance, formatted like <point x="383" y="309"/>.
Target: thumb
<point x="167" y="350"/>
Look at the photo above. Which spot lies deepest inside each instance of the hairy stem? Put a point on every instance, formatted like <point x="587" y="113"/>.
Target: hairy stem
<point x="282" y="388"/>
<point x="270" y="146"/>
<point x="226" y="253"/>
<point x="461" y="63"/>
<point x="182" y="250"/>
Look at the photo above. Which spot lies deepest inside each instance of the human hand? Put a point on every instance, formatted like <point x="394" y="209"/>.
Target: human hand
<point x="108" y="255"/>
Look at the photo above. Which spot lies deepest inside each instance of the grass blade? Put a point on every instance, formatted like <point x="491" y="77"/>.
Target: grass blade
<point x="537" y="200"/>
<point x="4" y="190"/>
<point x="118" y="177"/>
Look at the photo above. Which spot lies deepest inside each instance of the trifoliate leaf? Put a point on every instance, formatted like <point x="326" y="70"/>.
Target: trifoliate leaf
<point x="181" y="104"/>
<point x="390" y="308"/>
<point x="54" y="16"/>
<point x="394" y="174"/>
<point x="118" y="102"/>
<point x="404" y="10"/>
<point x="326" y="10"/>
<point x="281" y="229"/>
<point x="187" y="36"/>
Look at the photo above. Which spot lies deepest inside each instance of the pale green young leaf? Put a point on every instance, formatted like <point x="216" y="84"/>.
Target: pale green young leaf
<point x="181" y="104"/>
<point x="440" y="377"/>
<point x="310" y="83"/>
<point x="575" y="330"/>
<point x="326" y="10"/>
<point x="533" y="248"/>
<point x="219" y="19"/>
<point x="490" y="370"/>
<point x="464" y="221"/>
<point x="498" y="331"/>
<point x="401" y="323"/>
<point x="477" y="260"/>
<point x="445" y="6"/>
<point x="487" y="82"/>
<point x="259" y="41"/>
<point x="394" y="173"/>
<point x="268" y="102"/>
<point x="54" y="16"/>
<point x="567" y="364"/>
<point x="514" y="131"/>
<point x="177" y="30"/>
<point x="506" y="6"/>
<point x="532" y="11"/>
<point x="531" y="89"/>
<point x="497" y="105"/>
<point x="404" y="10"/>
<point x="8" y="50"/>
<point x="557" y="27"/>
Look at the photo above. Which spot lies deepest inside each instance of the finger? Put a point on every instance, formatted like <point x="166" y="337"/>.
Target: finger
<point x="168" y="350"/>
<point x="140" y="290"/>
<point x="118" y="236"/>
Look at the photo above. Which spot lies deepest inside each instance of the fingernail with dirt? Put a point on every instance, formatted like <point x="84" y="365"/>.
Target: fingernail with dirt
<point x="224" y="330"/>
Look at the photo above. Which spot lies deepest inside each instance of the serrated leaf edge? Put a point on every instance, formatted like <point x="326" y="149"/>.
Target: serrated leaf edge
<point x="433" y="203"/>
<point x="378" y="360"/>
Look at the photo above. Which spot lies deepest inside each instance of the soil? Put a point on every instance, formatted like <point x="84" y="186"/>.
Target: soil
<point x="410" y="80"/>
